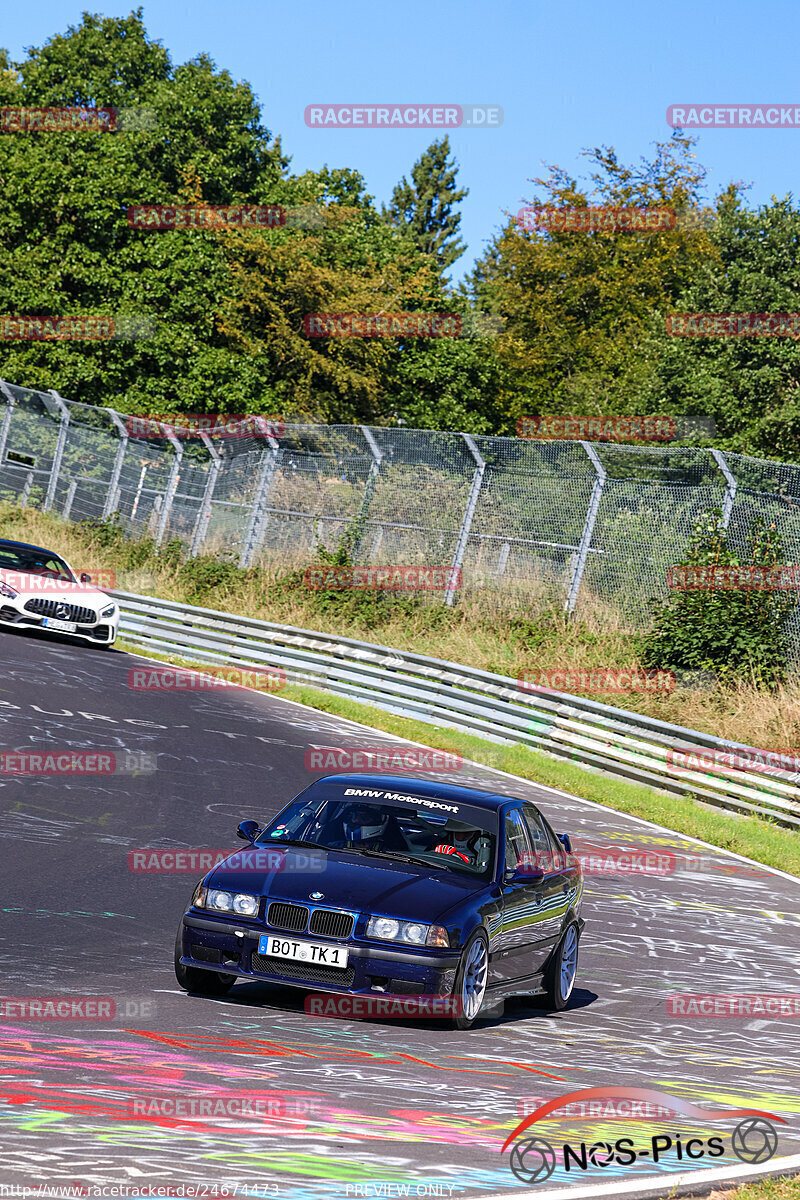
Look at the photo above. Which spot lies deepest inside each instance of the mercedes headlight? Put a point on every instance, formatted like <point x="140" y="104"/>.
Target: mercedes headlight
<point x="5" y="590"/>
<point x="411" y="932"/>
<point x="108" y="611"/>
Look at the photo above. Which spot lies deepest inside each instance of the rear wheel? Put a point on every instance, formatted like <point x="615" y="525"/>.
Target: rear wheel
<point x="560" y="977"/>
<point x="202" y="983"/>
<point x="469" y="988"/>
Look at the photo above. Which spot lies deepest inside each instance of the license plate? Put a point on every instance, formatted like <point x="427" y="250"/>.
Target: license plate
<point x="64" y="626"/>
<point x="310" y="952"/>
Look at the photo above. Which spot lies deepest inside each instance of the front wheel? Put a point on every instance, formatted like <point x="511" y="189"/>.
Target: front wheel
<point x="202" y="983"/>
<point x="469" y="988"/>
<point x="560" y="978"/>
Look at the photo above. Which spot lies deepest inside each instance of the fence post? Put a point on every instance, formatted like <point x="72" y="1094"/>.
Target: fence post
<point x="466" y="524"/>
<point x="61" y="442"/>
<point x="204" y="515"/>
<point x="172" y="487"/>
<point x="7" y="415"/>
<point x="258" y="515"/>
<point x="26" y="490"/>
<point x="588" y="528"/>
<point x="113" y="484"/>
<point x="731" y="485"/>
<point x="369" y="487"/>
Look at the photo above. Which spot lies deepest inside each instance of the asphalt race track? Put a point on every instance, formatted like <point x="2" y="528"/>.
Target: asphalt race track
<point x="355" y="1108"/>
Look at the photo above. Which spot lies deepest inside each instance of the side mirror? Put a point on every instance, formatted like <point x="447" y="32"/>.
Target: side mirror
<point x="248" y="831"/>
<point x="564" y="838"/>
<point x="85" y="578"/>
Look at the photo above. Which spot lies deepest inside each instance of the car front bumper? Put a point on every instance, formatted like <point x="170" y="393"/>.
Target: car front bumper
<point x="233" y="948"/>
<point x="90" y="626"/>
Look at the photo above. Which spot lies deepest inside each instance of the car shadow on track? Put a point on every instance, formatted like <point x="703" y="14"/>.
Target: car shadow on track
<point x="293" y="1001"/>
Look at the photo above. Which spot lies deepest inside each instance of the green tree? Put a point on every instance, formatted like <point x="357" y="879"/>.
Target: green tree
<point x="580" y="308"/>
<point x="736" y="632"/>
<point x="750" y="386"/>
<point x="425" y="207"/>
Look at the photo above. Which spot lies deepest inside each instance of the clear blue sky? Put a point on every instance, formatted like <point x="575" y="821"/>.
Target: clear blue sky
<point x="568" y="76"/>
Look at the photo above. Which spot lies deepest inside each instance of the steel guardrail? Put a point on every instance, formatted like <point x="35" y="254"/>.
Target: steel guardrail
<point x="600" y="737"/>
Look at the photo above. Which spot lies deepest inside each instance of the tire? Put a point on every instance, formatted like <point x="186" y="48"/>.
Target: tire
<point x="470" y="983"/>
<point x="201" y="983"/>
<point x="560" y="977"/>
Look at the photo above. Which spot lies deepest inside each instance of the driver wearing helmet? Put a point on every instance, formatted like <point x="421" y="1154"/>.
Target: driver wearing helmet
<point x="461" y="845"/>
<point x="372" y="827"/>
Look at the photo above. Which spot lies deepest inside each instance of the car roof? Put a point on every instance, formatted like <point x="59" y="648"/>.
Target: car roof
<point x="438" y="789"/>
<point x="27" y="546"/>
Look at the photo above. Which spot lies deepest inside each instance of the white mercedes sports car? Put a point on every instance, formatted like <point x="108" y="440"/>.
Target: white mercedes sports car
<point x="39" y="590"/>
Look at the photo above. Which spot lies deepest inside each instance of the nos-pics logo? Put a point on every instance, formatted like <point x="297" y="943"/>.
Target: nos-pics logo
<point x="533" y="1160"/>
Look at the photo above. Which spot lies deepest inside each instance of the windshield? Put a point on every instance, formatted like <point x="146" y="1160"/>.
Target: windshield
<point x="442" y="834"/>
<point x="34" y="562"/>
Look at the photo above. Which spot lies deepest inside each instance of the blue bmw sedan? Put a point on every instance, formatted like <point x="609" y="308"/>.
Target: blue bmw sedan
<point x="380" y="884"/>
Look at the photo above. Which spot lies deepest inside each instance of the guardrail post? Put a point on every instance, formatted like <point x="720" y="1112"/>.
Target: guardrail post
<point x="258" y="516"/>
<point x="466" y="524"/>
<point x="58" y="456"/>
<point x="7" y="415"/>
<point x="731" y="485"/>
<point x="204" y="515"/>
<point x="172" y="487"/>
<point x="369" y="487"/>
<point x="113" y="485"/>
<point x="588" y="528"/>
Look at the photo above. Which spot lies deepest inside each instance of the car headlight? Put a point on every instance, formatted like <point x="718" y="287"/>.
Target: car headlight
<point x="108" y="611"/>
<point x="411" y="932"/>
<point x="199" y="897"/>
<point x="5" y="590"/>
<point x="235" y="902"/>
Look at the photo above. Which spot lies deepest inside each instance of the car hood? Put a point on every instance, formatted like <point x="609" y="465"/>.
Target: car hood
<point x="51" y="589"/>
<point x="346" y="881"/>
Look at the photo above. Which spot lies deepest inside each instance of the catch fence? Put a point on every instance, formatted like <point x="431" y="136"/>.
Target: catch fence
<point x="542" y="521"/>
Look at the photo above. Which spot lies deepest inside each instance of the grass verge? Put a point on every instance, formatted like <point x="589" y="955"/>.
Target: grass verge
<point x="750" y="836"/>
